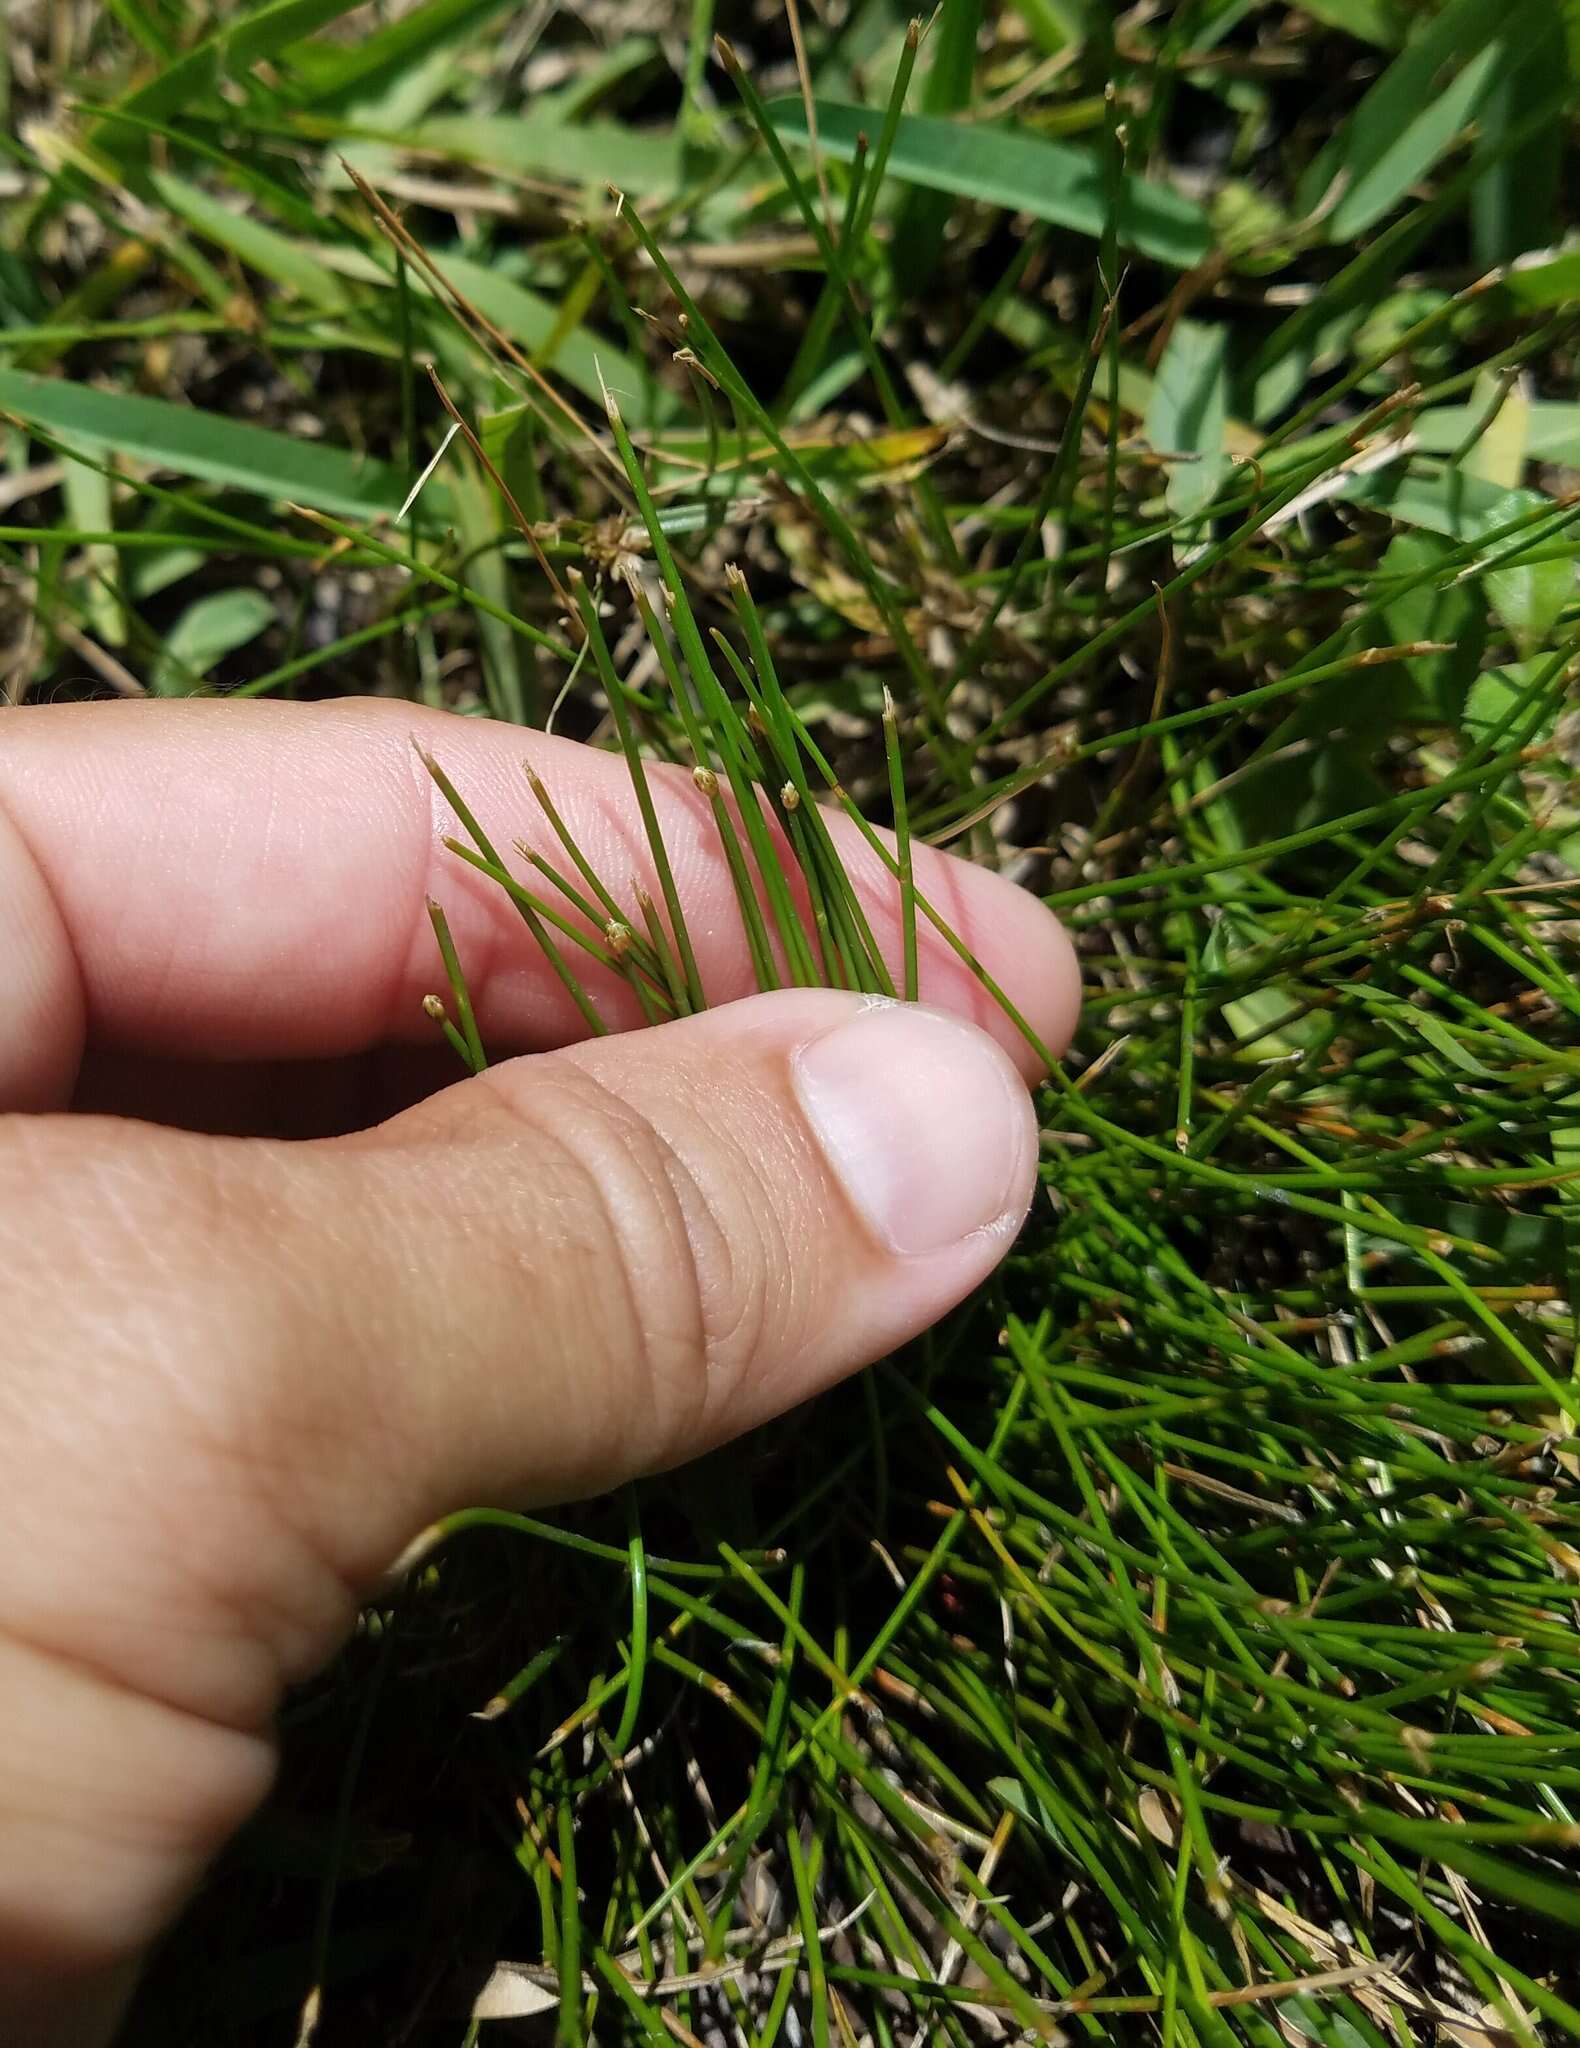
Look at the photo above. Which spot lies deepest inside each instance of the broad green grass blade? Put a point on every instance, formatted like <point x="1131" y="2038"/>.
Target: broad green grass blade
<point x="231" y="51"/>
<point x="210" y="446"/>
<point x="1371" y="21"/>
<point x="546" y="145"/>
<point x="1057" y="25"/>
<point x="260" y="247"/>
<point x="356" y="68"/>
<point x="1530" y="595"/>
<point x="526" y="317"/>
<point x="1539" y="282"/>
<point x="1411" y="117"/>
<point x="1552" y="430"/>
<point x="1446" y="501"/>
<point x="950" y="57"/>
<point x="1514" y="207"/>
<point x="89" y="492"/>
<point x="1052" y="181"/>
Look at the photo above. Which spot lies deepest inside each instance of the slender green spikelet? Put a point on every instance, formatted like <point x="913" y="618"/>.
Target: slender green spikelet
<point x="526" y="908"/>
<point x="465" y="1037"/>
<point x="755" y="767"/>
<point x="433" y="1007"/>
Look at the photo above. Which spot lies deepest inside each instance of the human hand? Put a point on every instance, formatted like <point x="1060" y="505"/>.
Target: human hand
<point x="258" y="1341"/>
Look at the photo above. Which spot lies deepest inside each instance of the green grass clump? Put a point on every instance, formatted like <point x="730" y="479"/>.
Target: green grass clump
<point x="1138" y="451"/>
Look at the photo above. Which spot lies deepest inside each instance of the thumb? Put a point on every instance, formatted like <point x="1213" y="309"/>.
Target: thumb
<point x="272" y="1365"/>
<point x="695" y="1229"/>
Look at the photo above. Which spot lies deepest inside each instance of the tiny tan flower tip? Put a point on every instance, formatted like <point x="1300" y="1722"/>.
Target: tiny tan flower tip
<point x="690" y="360"/>
<point x="790" y="797"/>
<point x="434" y="1007"/>
<point x="706" y="780"/>
<point x="620" y="937"/>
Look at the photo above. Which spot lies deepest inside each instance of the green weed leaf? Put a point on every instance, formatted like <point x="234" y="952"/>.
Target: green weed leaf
<point x="1529" y="596"/>
<point x="1189" y="414"/>
<point x="205" y="633"/>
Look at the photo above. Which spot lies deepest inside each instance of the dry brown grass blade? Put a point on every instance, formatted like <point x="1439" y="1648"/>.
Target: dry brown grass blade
<point x="469" y="435"/>
<point x="489" y="337"/>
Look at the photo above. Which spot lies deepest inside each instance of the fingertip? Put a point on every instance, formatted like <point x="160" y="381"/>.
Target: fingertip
<point x="1015" y="943"/>
<point x="927" y="1126"/>
<point x="1041" y="973"/>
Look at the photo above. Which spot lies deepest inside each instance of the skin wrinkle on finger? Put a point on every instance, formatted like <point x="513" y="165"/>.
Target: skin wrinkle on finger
<point x="633" y="1226"/>
<point x="740" y="1273"/>
<point x="567" y="1191"/>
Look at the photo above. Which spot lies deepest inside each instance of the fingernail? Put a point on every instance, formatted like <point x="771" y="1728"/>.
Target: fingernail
<point x="925" y="1122"/>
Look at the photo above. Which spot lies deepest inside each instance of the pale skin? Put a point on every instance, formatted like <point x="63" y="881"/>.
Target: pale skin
<point x="278" y="1291"/>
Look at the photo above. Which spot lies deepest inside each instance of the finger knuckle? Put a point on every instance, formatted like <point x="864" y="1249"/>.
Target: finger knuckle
<point x="668" y="1291"/>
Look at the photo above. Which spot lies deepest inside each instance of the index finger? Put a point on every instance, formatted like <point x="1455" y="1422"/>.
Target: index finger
<point x="250" y="881"/>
